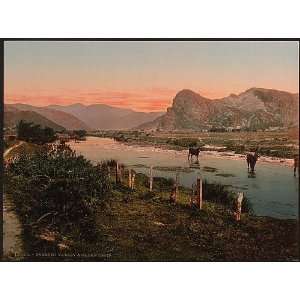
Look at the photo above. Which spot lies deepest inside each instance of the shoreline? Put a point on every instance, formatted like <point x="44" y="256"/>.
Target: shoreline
<point x="287" y="162"/>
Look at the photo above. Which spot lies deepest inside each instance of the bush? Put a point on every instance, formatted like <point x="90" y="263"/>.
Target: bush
<point x="80" y="133"/>
<point x="55" y="181"/>
<point x="185" y="142"/>
<point x="163" y="184"/>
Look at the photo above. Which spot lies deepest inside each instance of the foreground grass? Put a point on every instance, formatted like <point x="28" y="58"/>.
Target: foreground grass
<point x="156" y="230"/>
<point x="142" y="226"/>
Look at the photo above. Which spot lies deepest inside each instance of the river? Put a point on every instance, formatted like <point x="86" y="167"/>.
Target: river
<point x="273" y="191"/>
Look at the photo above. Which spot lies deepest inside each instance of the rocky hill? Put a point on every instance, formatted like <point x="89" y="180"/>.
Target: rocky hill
<point x="61" y="118"/>
<point x="253" y="109"/>
<point x="101" y="116"/>
<point x="13" y="116"/>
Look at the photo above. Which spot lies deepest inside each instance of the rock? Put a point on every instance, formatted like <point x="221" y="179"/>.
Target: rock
<point x="255" y="108"/>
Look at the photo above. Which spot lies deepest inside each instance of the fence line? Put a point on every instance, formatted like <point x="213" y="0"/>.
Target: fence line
<point x="196" y="197"/>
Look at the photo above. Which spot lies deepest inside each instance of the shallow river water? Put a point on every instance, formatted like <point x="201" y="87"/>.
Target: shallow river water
<point x="273" y="190"/>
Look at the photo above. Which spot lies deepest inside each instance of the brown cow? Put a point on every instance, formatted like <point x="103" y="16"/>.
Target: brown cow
<point x="296" y="164"/>
<point x="193" y="152"/>
<point x="251" y="160"/>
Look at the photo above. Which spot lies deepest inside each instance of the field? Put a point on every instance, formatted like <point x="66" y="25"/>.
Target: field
<point x="142" y="226"/>
<point x="156" y="230"/>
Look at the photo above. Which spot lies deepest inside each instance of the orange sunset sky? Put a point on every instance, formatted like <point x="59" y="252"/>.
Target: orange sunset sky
<point x="144" y="76"/>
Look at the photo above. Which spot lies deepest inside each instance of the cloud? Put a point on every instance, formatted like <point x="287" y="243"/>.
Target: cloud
<point x="154" y="99"/>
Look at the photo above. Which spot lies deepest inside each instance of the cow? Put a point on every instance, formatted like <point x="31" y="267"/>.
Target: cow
<point x="251" y="160"/>
<point x="296" y="164"/>
<point x="194" y="152"/>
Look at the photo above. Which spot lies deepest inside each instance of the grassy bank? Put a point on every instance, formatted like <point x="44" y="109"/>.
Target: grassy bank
<point x="153" y="229"/>
<point x="67" y="220"/>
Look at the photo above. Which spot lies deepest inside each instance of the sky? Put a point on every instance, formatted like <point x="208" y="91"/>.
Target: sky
<point x="144" y="76"/>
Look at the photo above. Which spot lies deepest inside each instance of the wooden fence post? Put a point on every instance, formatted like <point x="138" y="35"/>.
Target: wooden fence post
<point x="239" y="201"/>
<point x="132" y="180"/>
<point x="129" y="179"/>
<point x="192" y="195"/>
<point x="176" y="187"/>
<point x="120" y="174"/>
<point x="117" y="172"/>
<point x="199" y="192"/>
<point x="174" y="192"/>
<point x="151" y="178"/>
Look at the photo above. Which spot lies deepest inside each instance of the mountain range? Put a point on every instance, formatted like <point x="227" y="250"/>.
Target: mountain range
<point x="12" y="116"/>
<point x="62" y="119"/>
<point x="77" y="116"/>
<point x="256" y="108"/>
<point x="101" y="116"/>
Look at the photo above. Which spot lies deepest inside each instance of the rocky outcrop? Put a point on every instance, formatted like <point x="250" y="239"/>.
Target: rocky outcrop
<point x="255" y="108"/>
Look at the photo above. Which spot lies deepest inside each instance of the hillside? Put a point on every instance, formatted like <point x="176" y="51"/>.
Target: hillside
<point x="13" y="117"/>
<point x="63" y="119"/>
<point x="101" y="116"/>
<point x="253" y="109"/>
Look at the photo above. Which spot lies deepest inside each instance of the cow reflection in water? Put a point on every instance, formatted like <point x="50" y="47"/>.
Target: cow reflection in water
<point x="251" y="175"/>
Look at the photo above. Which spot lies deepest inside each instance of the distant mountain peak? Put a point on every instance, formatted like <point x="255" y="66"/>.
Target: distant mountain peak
<point x="51" y="112"/>
<point x="256" y="108"/>
<point x="103" y="116"/>
<point x="188" y="94"/>
<point x="76" y="105"/>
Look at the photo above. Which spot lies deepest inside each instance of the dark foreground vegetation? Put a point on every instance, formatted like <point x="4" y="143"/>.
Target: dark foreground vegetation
<point x="34" y="133"/>
<point x="55" y="193"/>
<point x="73" y="210"/>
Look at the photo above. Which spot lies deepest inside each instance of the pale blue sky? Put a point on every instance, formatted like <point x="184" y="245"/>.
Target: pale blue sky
<point x="215" y="69"/>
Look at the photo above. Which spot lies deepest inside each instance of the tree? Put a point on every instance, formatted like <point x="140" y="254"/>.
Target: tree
<point x="31" y="132"/>
<point x="80" y="133"/>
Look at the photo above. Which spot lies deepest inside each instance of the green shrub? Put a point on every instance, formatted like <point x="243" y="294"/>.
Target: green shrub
<point x="55" y="181"/>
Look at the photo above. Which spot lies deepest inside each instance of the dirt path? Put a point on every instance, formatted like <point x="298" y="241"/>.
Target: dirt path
<point x="11" y="148"/>
<point x="12" y="241"/>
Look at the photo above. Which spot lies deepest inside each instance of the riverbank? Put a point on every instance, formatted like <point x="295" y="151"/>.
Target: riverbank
<point x="153" y="229"/>
<point x="274" y="147"/>
<point x="142" y="226"/>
